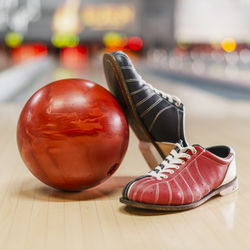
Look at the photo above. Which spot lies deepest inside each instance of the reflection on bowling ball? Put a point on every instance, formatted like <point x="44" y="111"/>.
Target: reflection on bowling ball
<point x="72" y="134"/>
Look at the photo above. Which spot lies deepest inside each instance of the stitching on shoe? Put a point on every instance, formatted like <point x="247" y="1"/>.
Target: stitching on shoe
<point x="144" y="100"/>
<point x="197" y="169"/>
<point x="156" y="117"/>
<point x="151" y="107"/>
<point x="192" y="194"/>
<point x="139" y="90"/>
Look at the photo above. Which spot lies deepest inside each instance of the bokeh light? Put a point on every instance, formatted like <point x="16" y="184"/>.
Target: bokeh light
<point x="61" y="40"/>
<point x="66" y="18"/>
<point x="74" y="58"/>
<point x="13" y="39"/>
<point x="28" y="51"/>
<point x="115" y="40"/>
<point x="108" y="16"/>
<point x="228" y="44"/>
<point x="135" y="43"/>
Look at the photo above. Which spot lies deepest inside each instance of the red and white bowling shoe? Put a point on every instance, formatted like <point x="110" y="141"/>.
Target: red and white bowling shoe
<point x="187" y="177"/>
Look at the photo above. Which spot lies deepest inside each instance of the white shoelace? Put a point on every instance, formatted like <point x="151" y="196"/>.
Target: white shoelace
<point x="170" y="98"/>
<point x="173" y="161"/>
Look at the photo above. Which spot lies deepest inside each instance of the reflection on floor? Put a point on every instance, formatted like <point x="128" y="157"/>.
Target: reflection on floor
<point x="38" y="217"/>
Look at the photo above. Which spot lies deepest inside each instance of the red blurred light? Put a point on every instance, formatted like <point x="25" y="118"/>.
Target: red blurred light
<point x="74" y="58"/>
<point x="40" y="49"/>
<point x="28" y="51"/>
<point x="135" y="43"/>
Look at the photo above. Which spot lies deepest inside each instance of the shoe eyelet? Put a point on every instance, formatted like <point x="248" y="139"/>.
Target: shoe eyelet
<point x="177" y="167"/>
<point x="183" y="162"/>
<point x="188" y="157"/>
<point x="172" y="171"/>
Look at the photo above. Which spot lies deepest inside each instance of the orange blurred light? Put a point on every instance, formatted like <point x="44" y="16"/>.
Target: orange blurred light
<point x="74" y="58"/>
<point x="135" y="43"/>
<point x="66" y="18"/>
<point x="108" y="16"/>
<point x="115" y="41"/>
<point x="228" y="44"/>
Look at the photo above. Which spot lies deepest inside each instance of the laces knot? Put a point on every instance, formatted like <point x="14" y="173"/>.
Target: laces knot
<point x="173" y="161"/>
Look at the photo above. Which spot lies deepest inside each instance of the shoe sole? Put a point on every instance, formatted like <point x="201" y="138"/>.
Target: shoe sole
<point x="223" y="190"/>
<point x="153" y="155"/>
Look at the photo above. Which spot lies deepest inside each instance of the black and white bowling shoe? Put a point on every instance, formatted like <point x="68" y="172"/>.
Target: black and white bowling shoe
<point x="157" y="118"/>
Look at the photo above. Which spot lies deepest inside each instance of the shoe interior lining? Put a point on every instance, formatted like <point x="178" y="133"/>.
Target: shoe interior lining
<point x="221" y="151"/>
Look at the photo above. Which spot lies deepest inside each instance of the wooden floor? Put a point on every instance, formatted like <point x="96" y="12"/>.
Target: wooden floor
<point x="35" y="217"/>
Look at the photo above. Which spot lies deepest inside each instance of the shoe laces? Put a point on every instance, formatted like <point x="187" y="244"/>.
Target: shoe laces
<point x="170" y="98"/>
<point x="173" y="161"/>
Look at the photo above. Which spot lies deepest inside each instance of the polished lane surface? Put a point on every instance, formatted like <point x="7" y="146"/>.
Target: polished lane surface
<point x="34" y="216"/>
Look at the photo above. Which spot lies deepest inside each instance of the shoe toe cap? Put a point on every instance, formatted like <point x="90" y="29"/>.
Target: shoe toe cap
<point x="122" y="58"/>
<point x="151" y="191"/>
<point x="143" y="190"/>
<point x="130" y="189"/>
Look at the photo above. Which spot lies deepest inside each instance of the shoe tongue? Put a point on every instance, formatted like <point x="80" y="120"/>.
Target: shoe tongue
<point x="177" y="149"/>
<point x="197" y="145"/>
<point x="181" y="142"/>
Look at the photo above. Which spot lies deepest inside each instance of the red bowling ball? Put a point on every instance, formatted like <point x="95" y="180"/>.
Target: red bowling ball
<point x="72" y="134"/>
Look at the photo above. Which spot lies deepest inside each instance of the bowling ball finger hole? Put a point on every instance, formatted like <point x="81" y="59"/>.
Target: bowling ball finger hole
<point x="113" y="169"/>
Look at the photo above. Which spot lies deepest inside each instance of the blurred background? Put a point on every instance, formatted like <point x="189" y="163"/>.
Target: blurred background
<point x="198" y="50"/>
<point x="203" y="44"/>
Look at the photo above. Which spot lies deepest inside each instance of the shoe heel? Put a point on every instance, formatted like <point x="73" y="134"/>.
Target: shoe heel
<point x="231" y="188"/>
<point x="150" y="154"/>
